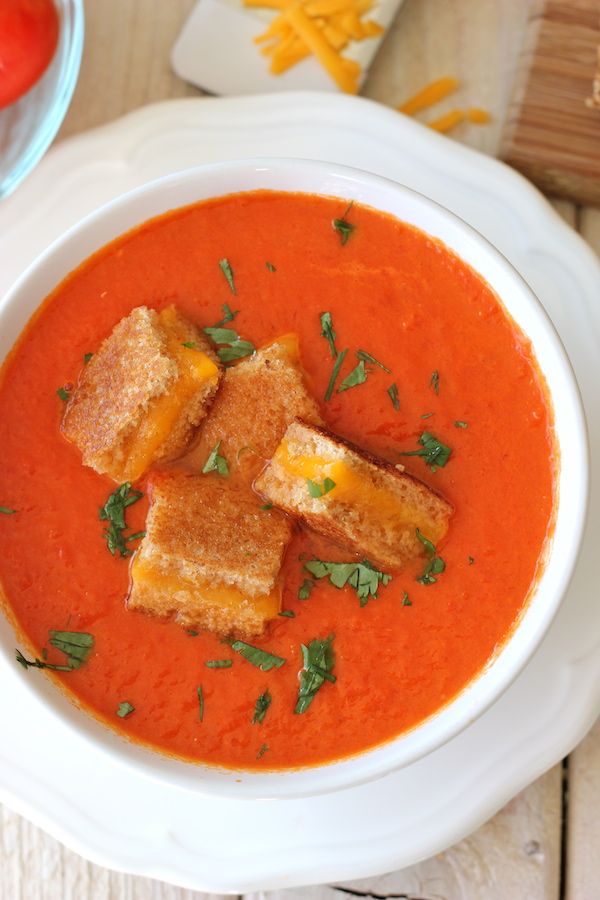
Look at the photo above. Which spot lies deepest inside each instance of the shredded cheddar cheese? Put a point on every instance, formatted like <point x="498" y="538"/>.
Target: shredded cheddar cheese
<point x="432" y="94"/>
<point x="321" y="28"/>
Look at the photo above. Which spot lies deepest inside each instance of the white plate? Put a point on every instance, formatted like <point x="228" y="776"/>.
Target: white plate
<point x="128" y="822"/>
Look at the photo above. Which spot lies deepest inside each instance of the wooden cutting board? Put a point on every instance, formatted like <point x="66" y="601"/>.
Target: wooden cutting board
<point x="551" y="135"/>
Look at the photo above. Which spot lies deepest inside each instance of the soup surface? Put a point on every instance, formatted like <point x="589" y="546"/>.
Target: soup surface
<point x="463" y="372"/>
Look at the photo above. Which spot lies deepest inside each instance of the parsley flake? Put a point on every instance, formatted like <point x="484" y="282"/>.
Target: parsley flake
<point x="216" y="462"/>
<point x="218" y="663"/>
<point x="262" y="751"/>
<point x="334" y="373"/>
<point x="426" y="415"/>
<point x="343" y="227"/>
<point x="235" y="347"/>
<point x="287" y="614"/>
<point x="225" y="267"/>
<point x="366" y="357"/>
<point x="471" y="560"/>
<point x="63" y="393"/>
<point x="76" y="645"/>
<point x="305" y="589"/>
<point x="113" y="512"/>
<point x="393" y="392"/>
<point x="7" y="511"/>
<point x="260" y="658"/>
<point x="266" y="506"/>
<point x="125" y="709"/>
<point x="318" y="660"/>
<point x="191" y="345"/>
<point x="461" y="424"/>
<point x="86" y="358"/>
<point x="317" y="490"/>
<point x="191" y="632"/>
<point x="328" y="333"/>
<point x="434" y="381"/>
<point x="434" y="452"/>
<point x="362" y="576"/>
<point x="405" y="599"/>
<point x="270" y="267"/>
<point x="357" y="376"/>
<point x="435" y="564"/>
<point x="260" y="707"/>
<point x="200" y="695"/>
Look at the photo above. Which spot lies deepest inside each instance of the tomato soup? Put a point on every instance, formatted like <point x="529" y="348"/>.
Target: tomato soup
<point x="459" y="369"/>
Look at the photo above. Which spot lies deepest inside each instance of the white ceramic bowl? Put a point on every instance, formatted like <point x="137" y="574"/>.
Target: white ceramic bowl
<point x="329" y="179"/>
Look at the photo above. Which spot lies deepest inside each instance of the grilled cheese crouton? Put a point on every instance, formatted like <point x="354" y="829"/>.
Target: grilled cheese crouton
<point x="211" y="556"/>
<point x="363" y="503"/>
<point x="141" y="395"/>
<point x="258" y="399"/>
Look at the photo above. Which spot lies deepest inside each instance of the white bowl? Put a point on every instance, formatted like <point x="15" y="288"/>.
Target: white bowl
<point x="572" y="488"/>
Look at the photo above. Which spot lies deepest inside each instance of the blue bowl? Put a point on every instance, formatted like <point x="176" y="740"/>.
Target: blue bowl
<point x="28" y="126"/>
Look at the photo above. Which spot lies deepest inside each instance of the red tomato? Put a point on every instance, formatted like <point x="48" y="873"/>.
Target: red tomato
<point x="28" y="38"/>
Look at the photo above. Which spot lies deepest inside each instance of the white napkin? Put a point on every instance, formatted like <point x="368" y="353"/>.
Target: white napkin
<point x="215" y="50"/>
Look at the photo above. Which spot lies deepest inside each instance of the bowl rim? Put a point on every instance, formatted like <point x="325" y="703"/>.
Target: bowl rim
<point x="72" y="28"/>
<point x="351" y="183"/>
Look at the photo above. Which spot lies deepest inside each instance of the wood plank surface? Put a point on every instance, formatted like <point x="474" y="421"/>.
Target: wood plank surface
<point x="516" y="856"/>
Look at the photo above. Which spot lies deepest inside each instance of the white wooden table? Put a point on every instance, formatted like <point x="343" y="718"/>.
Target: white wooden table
<point x="545" y="844"/>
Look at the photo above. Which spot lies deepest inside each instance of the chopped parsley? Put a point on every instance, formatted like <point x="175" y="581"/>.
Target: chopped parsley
<point x="262" y="751"/>
<point x="113" y="512"/>
<point x="287" y="613"/>
<point x="63" y="393"/>
<point x="461" y="424"/>
<point x="86" y="358"/>
<point x="7" y="511"/>
<point x="191" y="345"/>
<point x="270" y="267"/>
<point x="235" y="347"/>
<point x="260" y="658"/>
<point x="328" y="333"/>
<point x="266" y="506"/>
<point x="362" y="576"/>
<point x="334" y="373"/>
<point x="471" y="560"/>
<point x="366" y="357"/>
<point x="260" y="707"/>
<point x="426" y="415"/>
<point x="192" y="632"/>
<point x="357" y="376"/>
<point x="435" y="564"/>
<point x="200" y="695"/>
<point x="125" y="709"/>
<point x="343" y="227"/>
<point x="434" y="381"/>
<point x="76" y="645"/>
<point x="393" y="392"/>
<point x="405" y="599"/>
<point x="218" y="663"/>
<point x="318" y="660"/>
<point x="317" y="490"/>
<point x="225" y="267"/>
<point x="216" y="462"/>
<point x="434" y="452"/>
<point x="305" y="589"/>
<point x="228" y="315"/>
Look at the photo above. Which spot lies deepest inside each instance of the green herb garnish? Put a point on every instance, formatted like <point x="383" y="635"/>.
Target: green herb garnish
<point x="287" y="613"/>
<point x="318" y="490"/>
<point x="366" y="357"/>
<point x="191" y="345"/>
<point x="460" y="424"/>
<point x="357" y="376"/>
<point x="7" y="511"/>
<point x="328" y="333"/>
<point x="113" y="512"/>
<point x="262" y="751"/>
<point x="125" y="709"/>
<point x="426" y="415"/>
<point x="225" y="267"/>
<point x="266" y="506"/>
<point x="218" y="663"/>
<point x="405" y="600"/>
<point x="435" y="564"/>
<point x="87" y="357"/>
<point x="216" y="462"/>
<point x="270" y="267"/>
<point x="393" y="392"/>
<point x="362" y="576"/>
<point x="235" y="347"/>
<point x="342" y="226"/>
<point x="434" y="452"/>
<point x="192" y="632"/>
<point x="434" y="381"/>
<point x="260" y="707"/>
<point x="200" y="695"/>
<point x="471" y="560"/>
<point x="334" y="373"/>
<point x="228" y="315"/>
<point x="63" y="394"/>
<point x="260" y="658"/>
<point x="76" y="645"/>
<point x="318" y="661"/>
<point x="305" y="589"/>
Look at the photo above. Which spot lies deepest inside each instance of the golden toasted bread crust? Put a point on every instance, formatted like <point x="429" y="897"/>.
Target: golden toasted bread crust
<point x="201" y="531"/>
<point x="258" y="399"/>
<point x="387" y="536"/>
<point x="116" y="388"/>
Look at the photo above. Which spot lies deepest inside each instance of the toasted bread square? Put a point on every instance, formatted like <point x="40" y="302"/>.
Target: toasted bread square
<point x="142" y="394"/>
<point x="211" y="556"/>
<point x="367" y="504"/>
<point x="257" y="400"/>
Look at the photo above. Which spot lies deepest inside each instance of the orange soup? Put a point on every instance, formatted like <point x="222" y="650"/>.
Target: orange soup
<point x="459" y="370"/>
